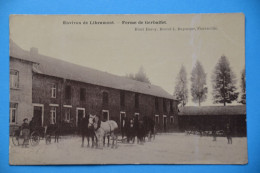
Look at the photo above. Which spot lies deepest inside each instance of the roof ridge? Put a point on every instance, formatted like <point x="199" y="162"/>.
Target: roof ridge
<point x="70" y="70"/>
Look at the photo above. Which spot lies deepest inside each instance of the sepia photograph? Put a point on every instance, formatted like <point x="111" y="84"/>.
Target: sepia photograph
<point x="127" y="89"/>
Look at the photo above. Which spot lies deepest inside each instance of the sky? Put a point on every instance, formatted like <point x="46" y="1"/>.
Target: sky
<point x="126" y="43"/>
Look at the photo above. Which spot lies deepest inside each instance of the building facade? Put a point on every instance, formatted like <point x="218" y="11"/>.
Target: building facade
<point x="20" y="91"/>
<point x="60" y="100"/>
<point x="60" y="91"/>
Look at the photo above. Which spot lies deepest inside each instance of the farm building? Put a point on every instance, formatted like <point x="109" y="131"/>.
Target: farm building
<point x="205" y="117"/>
<point x="58" y="91"/>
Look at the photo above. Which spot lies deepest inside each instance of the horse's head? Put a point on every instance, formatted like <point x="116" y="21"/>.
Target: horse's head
<point x="91" y="120"/>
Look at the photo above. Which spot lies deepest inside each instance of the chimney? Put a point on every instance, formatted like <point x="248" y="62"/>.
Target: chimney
<point x="33" y="52"/>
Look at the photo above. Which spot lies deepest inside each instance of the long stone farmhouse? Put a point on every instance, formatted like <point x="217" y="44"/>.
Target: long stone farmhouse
<point x="53" y="91"/>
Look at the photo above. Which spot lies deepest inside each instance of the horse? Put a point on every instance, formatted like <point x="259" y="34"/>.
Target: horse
<point x="149" y="126"/>
<point x="141" y="129"/>
<point x="135" y="128"/>
<point x="103" y="130"/>
<point x="130" y="130"/>
<point x="141" y="132"/>
<point x="52" y="130"/>
<point x="87" y="130"/>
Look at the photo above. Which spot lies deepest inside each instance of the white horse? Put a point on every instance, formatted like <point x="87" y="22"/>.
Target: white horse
<point x="103" y="130"/>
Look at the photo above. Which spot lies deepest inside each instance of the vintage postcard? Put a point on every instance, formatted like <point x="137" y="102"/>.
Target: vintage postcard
<point x="127" y="89"/>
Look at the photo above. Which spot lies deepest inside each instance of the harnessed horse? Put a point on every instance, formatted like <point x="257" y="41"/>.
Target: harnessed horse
<point x="103" y="130"/>
<point x="87" y="130"/>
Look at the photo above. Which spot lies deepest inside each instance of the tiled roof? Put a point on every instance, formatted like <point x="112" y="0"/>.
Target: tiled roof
<point x="62" y="69"/>
<point x="213" y="110"/>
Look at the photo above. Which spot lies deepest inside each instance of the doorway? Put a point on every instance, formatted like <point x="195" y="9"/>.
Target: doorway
<point x="122" y="119"/>
<point x="80" y="115"/>
<point x="164" y="123"/>
<point x="105" y="115"/>
<point x="38" y="116"/>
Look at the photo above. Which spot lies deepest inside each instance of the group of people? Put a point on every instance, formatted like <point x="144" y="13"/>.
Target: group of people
<point x="132" y="128"/>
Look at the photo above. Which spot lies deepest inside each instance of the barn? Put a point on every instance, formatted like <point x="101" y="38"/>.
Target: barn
<point x="60" y="91"/>
<point x="205" y="117"/>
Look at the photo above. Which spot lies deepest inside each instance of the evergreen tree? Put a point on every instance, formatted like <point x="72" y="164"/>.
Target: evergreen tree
<point x="181" y="90"/>
<point x="223" y="83"/>
<point x="198" y="84"/>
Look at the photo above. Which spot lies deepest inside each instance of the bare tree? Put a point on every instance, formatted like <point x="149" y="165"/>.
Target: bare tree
<point x="139" y="76"/>
<point x="223" y="82"/>
<point x="198" y="84"/>
<point x="181" y="89"/>
<point x="243" y="86"/>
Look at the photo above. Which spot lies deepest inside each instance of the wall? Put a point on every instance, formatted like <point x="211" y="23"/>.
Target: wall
<point x="23" y="94"/>
<point x="94" y="101"/>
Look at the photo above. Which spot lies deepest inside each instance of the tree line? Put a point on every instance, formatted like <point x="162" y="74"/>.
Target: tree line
<point x="223" y="82"/>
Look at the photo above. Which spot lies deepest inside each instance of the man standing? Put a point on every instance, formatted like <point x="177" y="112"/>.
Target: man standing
<point x="228" y="131"/>
<point x="214" y="132"/>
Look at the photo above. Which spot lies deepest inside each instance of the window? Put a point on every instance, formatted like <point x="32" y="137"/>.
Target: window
<point x="171" y="119"/>
<point x="164" y="105"/>
<point x="53" y="115"/>
<point x="53" y="90"/>
<point x="14" y="79"/>
<point x="156" y="104"/>
<point x="156" y="119"/>
<point x="122" y="98"/>
<point x="13" y="112"/>
<point x="136" y="100"/>
<point x="105" y="98"/>
<point x="68" y="92"/>
<point x="67" y="114"/>
<point x="171" y="106"/>
<point x="82" y="94"/>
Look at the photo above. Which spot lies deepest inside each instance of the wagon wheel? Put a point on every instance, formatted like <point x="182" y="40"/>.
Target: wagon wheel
<point x="48" y="139"/>
<point x="35" y="138"/>
<point x="15" y="139"/>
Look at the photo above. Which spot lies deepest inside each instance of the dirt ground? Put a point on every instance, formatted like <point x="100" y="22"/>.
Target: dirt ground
<point x="174" y="148"/>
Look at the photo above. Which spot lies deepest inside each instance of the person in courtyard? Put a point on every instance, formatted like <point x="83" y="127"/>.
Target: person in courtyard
<point x="123" y="127"/>
<point x="214" y="132"/>
<point x="228" y="132"/>
<point x="131" y="131"/>
<point x="25" y="128"/>
<point x="136" y="128"/>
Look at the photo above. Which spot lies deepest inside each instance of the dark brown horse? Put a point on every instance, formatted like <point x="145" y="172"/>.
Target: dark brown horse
<point x="149" y="127"/>
<point x="88" y="131"/>
<point x="140" y="128"/>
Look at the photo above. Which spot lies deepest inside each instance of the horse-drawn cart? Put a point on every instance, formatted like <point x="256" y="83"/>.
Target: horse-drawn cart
<point x="36" y="134"/>
<point x="34" y="139"/>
